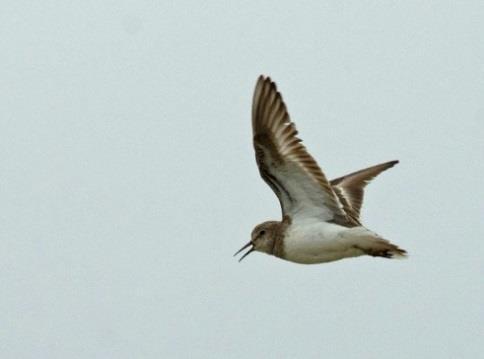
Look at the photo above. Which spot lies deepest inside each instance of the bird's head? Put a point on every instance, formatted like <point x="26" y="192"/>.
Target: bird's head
<point x="262" y="239"/>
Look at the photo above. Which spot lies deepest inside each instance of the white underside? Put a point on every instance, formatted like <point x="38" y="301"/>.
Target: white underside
<point x="314" y="241"/>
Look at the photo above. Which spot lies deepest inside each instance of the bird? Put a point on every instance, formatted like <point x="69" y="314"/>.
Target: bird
<point x="320" y="218"/>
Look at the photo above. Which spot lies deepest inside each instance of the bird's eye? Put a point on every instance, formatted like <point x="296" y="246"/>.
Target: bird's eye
<point x="261" y="233"/>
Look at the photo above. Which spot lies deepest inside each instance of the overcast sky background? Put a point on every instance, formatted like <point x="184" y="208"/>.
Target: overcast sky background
<point x="128" y="179"/>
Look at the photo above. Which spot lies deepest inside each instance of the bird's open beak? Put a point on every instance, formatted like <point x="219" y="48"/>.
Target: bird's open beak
<point x="246" y="253"/>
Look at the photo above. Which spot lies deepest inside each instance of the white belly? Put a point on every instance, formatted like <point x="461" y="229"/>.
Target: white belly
<point x="317" y="242"/>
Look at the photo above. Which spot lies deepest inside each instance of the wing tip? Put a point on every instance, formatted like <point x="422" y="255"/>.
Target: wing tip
<point x="265" y="93"/>
<point x="265" y="79"/>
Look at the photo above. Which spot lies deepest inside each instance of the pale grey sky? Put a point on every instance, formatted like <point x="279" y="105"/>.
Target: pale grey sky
<point x="128" y="180"/>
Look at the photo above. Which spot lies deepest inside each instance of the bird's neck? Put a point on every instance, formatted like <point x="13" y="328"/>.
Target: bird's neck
<point x="279" y="232"/>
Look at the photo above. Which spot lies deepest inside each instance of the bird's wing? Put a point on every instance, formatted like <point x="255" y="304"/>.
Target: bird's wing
<point x="350" y="188"/>
<point x="286" y="166"/>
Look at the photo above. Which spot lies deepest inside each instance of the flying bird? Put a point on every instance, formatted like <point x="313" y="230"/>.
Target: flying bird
<point x="320" y="218"/>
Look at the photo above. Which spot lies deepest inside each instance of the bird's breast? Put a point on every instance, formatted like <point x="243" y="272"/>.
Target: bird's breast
<point x="318" y="242"/>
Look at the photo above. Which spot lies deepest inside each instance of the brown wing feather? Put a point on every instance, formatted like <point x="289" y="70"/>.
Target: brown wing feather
<point x="286" y="166"/>
<point x="350" y="188"/>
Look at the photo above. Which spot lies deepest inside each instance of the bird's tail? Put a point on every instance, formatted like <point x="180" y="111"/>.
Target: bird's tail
<point x="372" y="244"/>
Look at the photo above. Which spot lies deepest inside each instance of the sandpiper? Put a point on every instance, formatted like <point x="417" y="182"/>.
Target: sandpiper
<point x="320" y="218"/>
